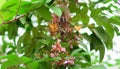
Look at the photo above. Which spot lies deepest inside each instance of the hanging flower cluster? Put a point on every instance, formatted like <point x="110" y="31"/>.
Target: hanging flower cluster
<point x="56" y="51"/>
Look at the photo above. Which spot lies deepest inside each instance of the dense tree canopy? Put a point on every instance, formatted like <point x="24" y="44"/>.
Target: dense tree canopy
<point x="46" y="34"/>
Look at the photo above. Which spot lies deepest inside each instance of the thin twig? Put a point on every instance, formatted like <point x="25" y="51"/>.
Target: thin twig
<point x="13" y="20"/>
<point x="17" y="17"/>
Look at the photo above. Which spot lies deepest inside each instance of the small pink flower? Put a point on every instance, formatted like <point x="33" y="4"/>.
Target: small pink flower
<point x="58" y="45"/>
<point x="52" y="55"/>
<point x="53" y="46"/>
<point x="63" y="49"/>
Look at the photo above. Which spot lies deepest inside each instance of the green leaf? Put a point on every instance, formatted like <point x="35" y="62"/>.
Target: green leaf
<point x="104" y="21"/>
<point x="25" y="39"/>
<point x="45" y="65"/>
<point x="24" y="59"/>
<point x="86" y="36"/>
<point x="83" y="13"/>
<point x="100" y="33"/>
<point x="83" y="45"/>
<point x="115" y="20"/>
<point x="97" y="45"/>
<point x="116" y="1"/>
<point x="75" y="19"/>
<point x="64" y="44"/>
<point x="12" y="30"/>
<point x="34" y="0"/>
<point x="25" y="7"/>
<point x="44" y="41"/>
<point x="108" y="26"/>
<point x="44" y="13"/>
<point x="85" y="18"/>
<point x="9" y="57"/>
<point x="73" y="7"/>
<point x="47" y="1"/>
<point x="9" y="4"/>
<point x="104" y="36"/>
<point x="35" y="32"/>
<point x="75" y="52"/>
<point x="97" y="67"/>
<point x="116" y="30"/>
<point x="56" y="10"/>
<point x="4" y="15"/>
<point x="11" y="7"/>
<point x="12" y="60"/>
<point x="3" y="28"/>
<point x="33" y="65"/>
<point x="1" y="3"/>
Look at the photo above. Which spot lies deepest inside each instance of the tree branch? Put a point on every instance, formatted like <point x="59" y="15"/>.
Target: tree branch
<point x="13" y="20"/>
<point x="17" y="17"/>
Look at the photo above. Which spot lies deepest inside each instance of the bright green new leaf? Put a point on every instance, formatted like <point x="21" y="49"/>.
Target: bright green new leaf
<point x="1" y="3"/>
<point x="12" y="60"/>
<point x="6" y="15"/>
<point x="9" y="57"/>
<point x="56" y="10"/>
<point x="34" y="0"/>
<point x="24" y="59"/>
<point x="47" y="1"/>
<point x="9" y="4"/>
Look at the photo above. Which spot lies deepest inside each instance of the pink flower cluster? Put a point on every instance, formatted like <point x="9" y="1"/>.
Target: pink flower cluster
<point x="56" y="49"/>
